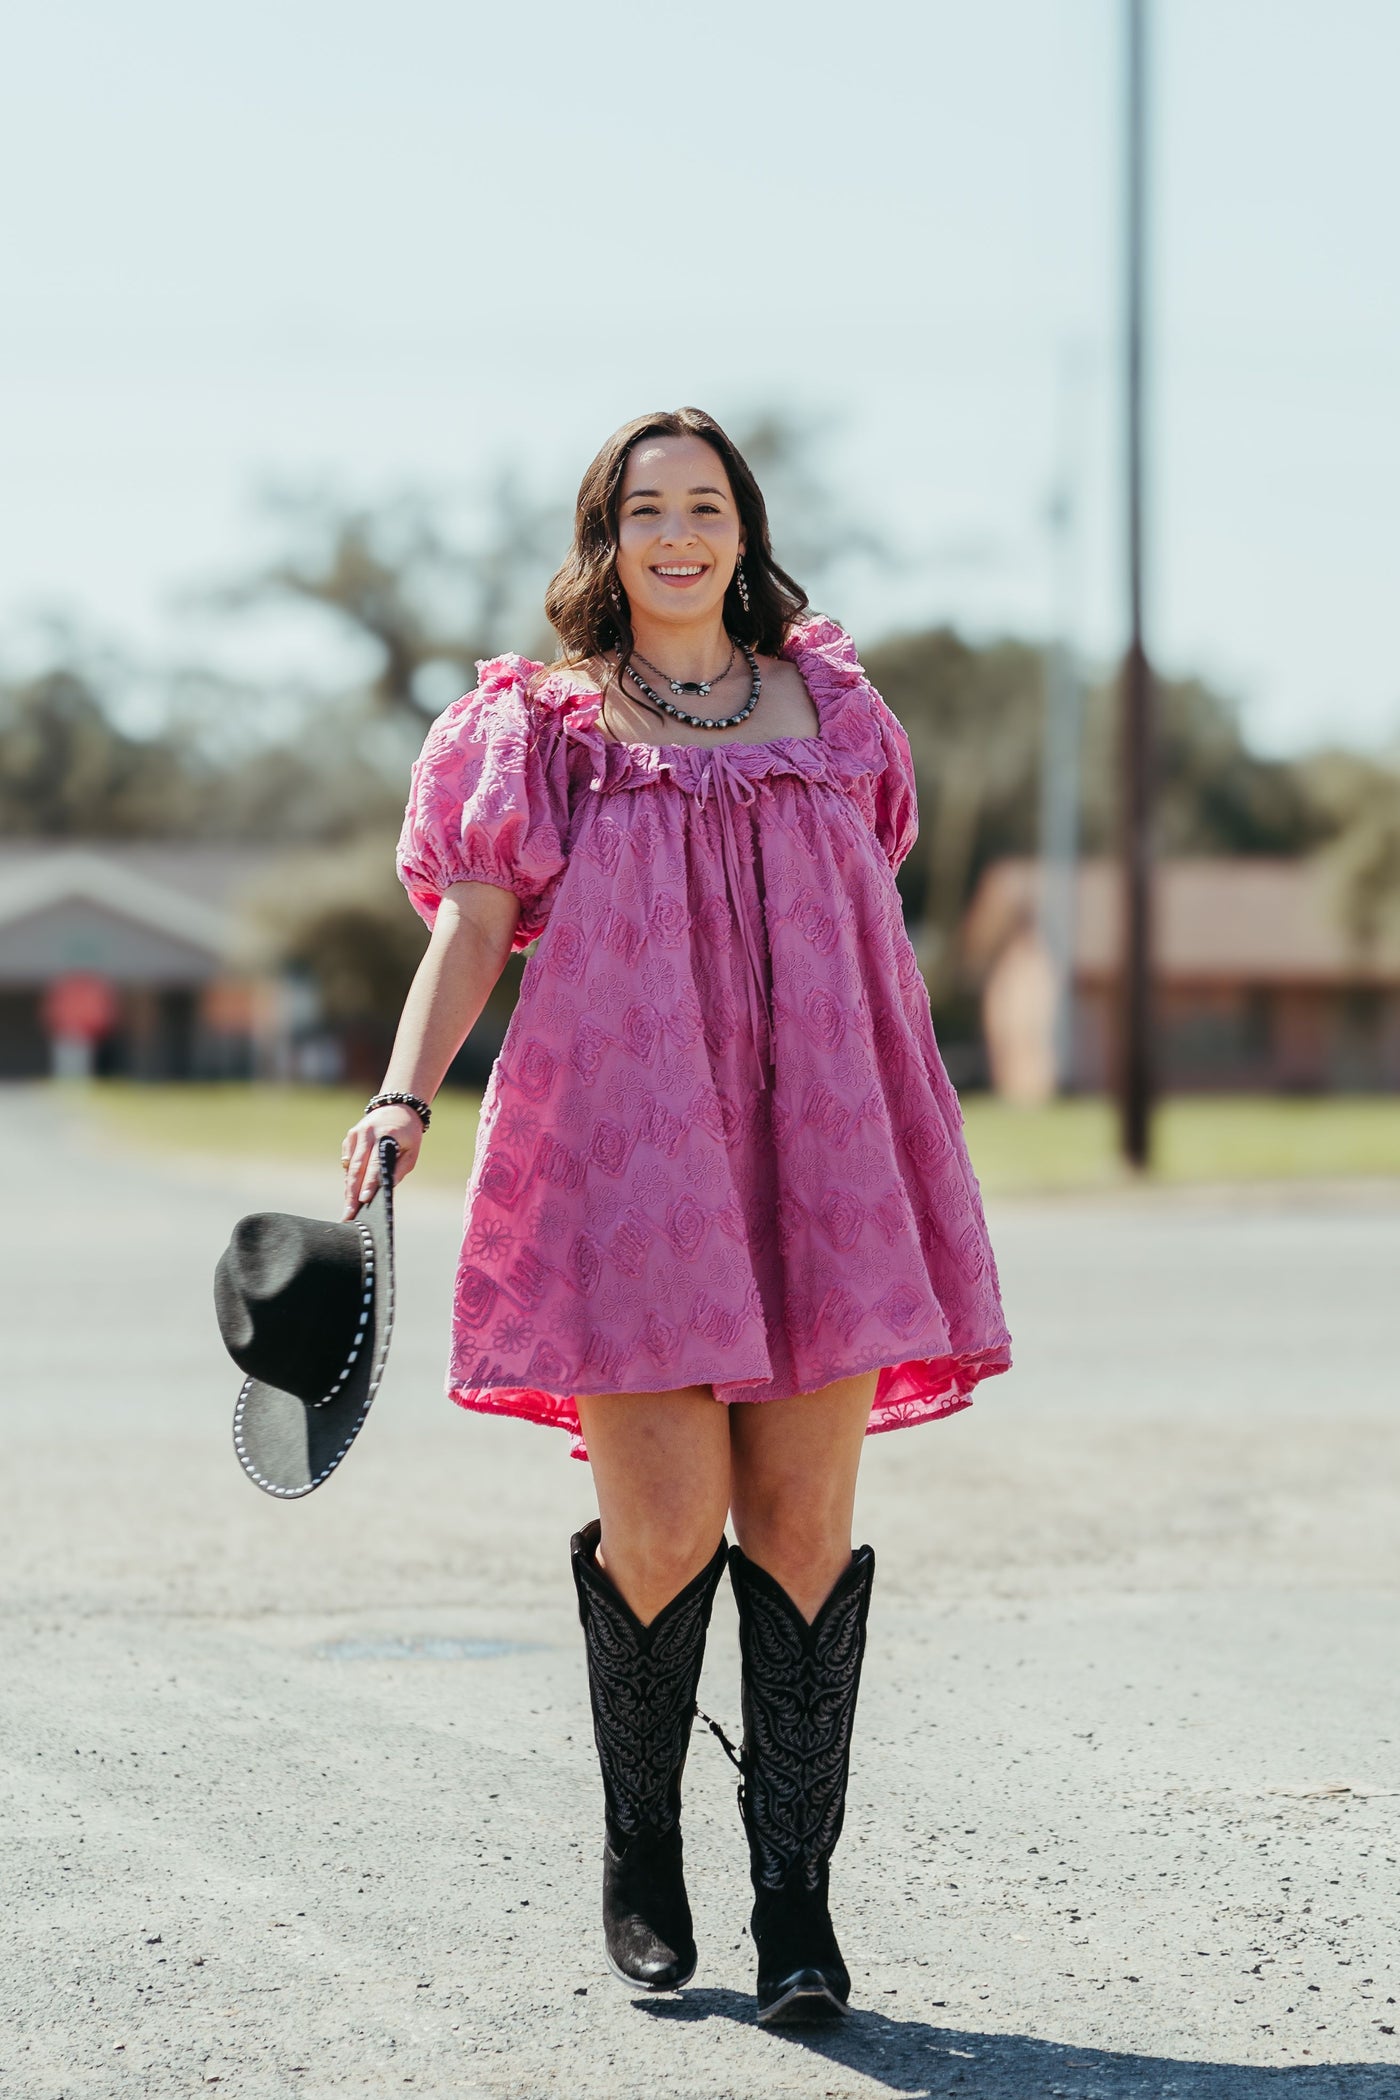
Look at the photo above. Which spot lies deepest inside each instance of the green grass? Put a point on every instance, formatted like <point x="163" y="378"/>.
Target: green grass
<point x="1246" y="1137"/>
<point x="302" y="1123"/>
<point x="1068" y="1145"/>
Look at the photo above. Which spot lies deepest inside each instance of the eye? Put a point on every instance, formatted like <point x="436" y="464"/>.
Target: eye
<point x="710" y="509"/>
<point x="643" y="510"/>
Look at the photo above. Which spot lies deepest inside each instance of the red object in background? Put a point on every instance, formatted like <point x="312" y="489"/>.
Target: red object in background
<point x="80" y="1006"/>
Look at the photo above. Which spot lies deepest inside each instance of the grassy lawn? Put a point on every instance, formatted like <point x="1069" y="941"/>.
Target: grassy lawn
<point x="1247" y="1137"/>
<point x="1068" y="1145"/>
<point x="303" y="1123"/>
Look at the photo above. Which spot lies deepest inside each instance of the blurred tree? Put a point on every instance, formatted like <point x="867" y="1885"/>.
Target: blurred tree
<point x="324" y="775"/>
<point x="973" y="720"/>
<point x="342" y="916"/>
<point x="975" y="716"/>
<point x="1214" y="795"/>
<point x="427" y="604"/>
<point x="1359" y="800"/>
<point x="67" y="770"/>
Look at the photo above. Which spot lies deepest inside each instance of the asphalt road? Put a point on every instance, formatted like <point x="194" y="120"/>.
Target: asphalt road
<point x="301" y="1798"/>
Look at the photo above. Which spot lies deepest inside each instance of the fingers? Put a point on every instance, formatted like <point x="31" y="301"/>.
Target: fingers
<point x="360" y="1163"/>
<point x="359" y="1156"/>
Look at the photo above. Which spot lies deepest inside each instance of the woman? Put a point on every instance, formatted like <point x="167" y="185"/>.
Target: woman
<point x="721" y="1223"/>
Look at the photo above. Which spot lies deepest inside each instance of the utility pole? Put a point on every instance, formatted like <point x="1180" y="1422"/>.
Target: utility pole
<point x="1063" y="735"/>
<point x="1136" y="1077"/>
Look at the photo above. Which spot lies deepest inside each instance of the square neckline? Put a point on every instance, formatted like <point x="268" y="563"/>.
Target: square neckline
<point x="772" y="743"/>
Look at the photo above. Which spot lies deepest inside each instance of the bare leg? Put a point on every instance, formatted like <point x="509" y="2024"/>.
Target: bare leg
<point x="661" y="1471"/>
<point x="794" y="1484"/>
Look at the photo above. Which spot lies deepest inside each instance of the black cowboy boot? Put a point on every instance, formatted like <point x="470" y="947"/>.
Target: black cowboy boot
<point x="799" y="1701"/>
<point x="642" y="1682"/>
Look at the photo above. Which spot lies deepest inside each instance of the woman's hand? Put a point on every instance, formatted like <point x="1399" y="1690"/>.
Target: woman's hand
<point x="359" y="1155"/>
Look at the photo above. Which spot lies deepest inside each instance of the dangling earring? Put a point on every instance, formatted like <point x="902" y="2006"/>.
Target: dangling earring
<point x="742" y="581"/>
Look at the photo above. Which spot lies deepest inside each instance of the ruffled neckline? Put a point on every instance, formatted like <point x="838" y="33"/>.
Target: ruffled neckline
<point x="845" y="745"/>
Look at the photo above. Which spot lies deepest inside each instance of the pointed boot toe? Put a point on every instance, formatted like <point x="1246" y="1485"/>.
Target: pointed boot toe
<point x="804" y="1999"/>
<point x="639" y="1959"/>
<point x="801" y="1976"/>
<point x="647" y="1933"/>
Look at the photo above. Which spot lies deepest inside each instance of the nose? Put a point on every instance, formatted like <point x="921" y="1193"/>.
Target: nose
<point x="676" y="530"/>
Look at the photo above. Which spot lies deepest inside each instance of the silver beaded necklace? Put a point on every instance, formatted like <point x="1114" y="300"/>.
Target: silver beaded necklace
<point x="699" y="686"/>
<point x="668" y="707"/>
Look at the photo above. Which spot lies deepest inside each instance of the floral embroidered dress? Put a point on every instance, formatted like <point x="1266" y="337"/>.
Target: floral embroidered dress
<point x="719" y="1145"/>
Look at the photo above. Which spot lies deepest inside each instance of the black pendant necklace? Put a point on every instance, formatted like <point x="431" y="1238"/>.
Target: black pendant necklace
<point x="679" y="714"/>
<point x="699" y="686"/>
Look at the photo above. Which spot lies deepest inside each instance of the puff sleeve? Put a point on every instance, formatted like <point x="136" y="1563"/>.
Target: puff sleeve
<point x="863" y="735"/>
<point x="896" y="802"/>
<point x="488" y="800"/>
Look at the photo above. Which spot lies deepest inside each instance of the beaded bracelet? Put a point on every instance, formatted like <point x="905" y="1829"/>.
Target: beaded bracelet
<point x="420" y="1108"/>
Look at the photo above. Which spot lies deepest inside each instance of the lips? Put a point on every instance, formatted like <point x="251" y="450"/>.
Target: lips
<point x="677" y="574"/>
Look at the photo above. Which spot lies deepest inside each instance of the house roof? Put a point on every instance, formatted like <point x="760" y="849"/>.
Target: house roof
<point x="186" y="892"/>
<point x="1242" y="920"/>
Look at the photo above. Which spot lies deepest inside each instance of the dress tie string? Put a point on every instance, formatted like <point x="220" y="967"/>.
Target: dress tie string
<point x="731" y="784"/>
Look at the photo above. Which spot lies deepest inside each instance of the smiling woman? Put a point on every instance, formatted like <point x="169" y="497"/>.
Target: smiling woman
<point x="670" y="492"/>
<point x="671" y="555"/>
<point x="587" y="609"/>
<point x="721" y="1222"/>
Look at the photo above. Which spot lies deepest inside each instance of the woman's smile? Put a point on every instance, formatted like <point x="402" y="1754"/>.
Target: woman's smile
<point x="679" y="573"/>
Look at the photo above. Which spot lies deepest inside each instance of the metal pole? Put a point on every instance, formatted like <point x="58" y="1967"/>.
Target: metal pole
<point x="1060" y="760"/>
<point x="1136" y="1074"/>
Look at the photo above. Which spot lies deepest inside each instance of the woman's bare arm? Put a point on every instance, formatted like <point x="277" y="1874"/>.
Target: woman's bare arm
<point x="470" y="943"/>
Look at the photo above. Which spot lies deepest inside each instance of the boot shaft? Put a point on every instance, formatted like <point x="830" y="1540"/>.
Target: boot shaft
<point x="642" y="1682"/>
<point x="800" y="1684"/>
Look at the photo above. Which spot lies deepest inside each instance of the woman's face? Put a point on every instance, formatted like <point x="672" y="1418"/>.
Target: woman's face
<point x="678" y="531"/>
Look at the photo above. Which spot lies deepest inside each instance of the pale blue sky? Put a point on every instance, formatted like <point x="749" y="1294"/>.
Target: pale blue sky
<point x="395" y="245"/>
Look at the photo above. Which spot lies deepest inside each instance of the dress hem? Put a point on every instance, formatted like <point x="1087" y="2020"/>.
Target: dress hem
<point x="914" y="1390"/>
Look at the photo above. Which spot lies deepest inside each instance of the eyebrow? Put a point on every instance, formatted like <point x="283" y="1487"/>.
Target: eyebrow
<point x="703" y="490"/>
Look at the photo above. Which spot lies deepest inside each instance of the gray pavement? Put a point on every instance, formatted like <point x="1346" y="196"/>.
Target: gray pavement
<point x="301" y="1799"/>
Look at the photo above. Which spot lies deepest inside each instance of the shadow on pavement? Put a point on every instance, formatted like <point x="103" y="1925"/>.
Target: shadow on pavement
<point x="920" y="2062"/>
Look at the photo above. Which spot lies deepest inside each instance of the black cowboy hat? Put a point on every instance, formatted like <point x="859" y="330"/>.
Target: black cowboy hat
<point x="306" y="1309"/>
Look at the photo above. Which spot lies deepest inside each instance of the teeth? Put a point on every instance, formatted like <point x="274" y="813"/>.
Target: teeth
<point x="695" y="569"/>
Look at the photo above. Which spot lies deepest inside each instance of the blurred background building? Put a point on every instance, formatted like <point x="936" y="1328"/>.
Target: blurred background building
<point x="120" y="960"/>
<point x="1260" y="987"/>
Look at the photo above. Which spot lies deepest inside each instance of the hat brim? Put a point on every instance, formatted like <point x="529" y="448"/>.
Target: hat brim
<point x="286" y="1446"/>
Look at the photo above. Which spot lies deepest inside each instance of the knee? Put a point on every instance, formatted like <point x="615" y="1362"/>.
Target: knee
<point x="794" y="1521"/>
<point x="803" y="1549"/>
<point x="652" y="1562"/>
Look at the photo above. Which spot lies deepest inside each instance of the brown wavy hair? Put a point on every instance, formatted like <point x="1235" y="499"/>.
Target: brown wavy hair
<point x="587" y="606"/>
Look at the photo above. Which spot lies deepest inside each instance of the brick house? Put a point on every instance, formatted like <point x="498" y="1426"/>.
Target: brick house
<point x="1260" y="985"/>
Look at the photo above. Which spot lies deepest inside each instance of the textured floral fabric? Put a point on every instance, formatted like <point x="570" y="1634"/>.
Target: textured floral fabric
<point x="719" y="1145"/>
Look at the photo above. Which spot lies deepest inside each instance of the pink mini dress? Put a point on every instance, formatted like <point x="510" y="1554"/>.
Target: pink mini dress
<point x="718" y="1146"/>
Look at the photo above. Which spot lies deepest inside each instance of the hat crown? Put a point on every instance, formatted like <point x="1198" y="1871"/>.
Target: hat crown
<point x="291" y="1295"/>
